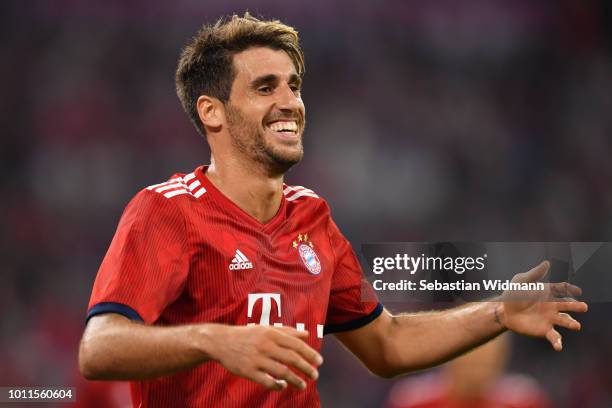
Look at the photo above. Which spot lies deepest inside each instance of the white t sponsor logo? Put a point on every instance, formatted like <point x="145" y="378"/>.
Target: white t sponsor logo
<point x="266" y="310"/>
<point x="266" y="306"/>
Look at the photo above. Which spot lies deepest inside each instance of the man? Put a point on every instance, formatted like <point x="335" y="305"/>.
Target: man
<point x="219" y="284"/>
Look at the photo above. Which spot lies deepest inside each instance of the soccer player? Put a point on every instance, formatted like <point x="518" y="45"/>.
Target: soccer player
<point x="220" y="283"/>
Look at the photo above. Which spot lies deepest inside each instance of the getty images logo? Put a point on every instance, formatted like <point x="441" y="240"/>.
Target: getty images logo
<point x="240" y="261"/>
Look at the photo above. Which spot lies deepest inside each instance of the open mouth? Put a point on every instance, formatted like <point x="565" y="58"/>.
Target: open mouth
<point x="288" y="127"/>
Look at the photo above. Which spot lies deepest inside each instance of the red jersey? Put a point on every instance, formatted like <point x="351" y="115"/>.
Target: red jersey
<point x="184" y="253"/>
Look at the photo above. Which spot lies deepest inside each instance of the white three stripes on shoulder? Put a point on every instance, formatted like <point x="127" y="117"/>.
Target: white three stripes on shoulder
<point x="178" y="186"/>
<point x="164" y="183"/>
<point x="184" y="185"/>
<point x="294" y="192"/>
<point x="302" y="194"/>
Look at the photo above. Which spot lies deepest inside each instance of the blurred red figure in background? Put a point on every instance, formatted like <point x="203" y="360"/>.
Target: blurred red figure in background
<point x="474" y="380"/>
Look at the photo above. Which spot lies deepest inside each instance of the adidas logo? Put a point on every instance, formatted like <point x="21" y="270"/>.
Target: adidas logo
<point x="240" y="261"/>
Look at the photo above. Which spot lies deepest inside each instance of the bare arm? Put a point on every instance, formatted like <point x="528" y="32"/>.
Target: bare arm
<point x="116" y="348"/>
<point x="393" y="345"/>
<point x="409" y="342"/>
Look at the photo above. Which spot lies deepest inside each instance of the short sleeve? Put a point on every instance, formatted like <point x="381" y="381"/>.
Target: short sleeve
<point x="146" y="265"/>
<point x="352" y="302"/>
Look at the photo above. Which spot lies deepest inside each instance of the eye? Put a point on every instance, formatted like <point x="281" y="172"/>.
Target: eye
<point x="264" y="89"/>
<point x="295" y="89"/>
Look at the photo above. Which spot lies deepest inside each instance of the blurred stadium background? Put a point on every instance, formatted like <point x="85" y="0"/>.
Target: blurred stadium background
<point x="427" y="120"/>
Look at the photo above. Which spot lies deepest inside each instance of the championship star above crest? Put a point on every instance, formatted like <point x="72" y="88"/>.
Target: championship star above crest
<point x="302" y="238"/>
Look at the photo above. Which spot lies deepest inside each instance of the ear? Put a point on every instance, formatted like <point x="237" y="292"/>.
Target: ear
<point x="210" y="111"/>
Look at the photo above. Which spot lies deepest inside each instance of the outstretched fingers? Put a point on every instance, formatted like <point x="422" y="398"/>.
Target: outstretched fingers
<point x="571" y="305"/>
<point x="564" y="290"/>
<point x="566" y="321"/>
<point x="554" y="338"/>
<point x="534" y="274"/>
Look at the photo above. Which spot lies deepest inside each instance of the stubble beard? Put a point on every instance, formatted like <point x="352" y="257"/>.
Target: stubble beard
<point x="248" y="139"/>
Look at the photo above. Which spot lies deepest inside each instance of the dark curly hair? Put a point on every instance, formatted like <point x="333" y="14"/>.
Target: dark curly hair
<point x="206" y="63"/>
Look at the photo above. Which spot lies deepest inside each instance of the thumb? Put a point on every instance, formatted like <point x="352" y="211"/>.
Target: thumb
<point x="535" y="274"/>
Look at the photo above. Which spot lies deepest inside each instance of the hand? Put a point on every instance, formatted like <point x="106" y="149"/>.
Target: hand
<point x="535" y="313"/>
<point x="266" y="355"/>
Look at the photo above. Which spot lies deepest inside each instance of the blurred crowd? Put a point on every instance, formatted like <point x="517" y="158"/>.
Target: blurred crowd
<point x="426" y="120"/>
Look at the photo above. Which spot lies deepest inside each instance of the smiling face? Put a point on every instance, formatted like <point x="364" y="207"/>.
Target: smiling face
<point x="265" y="112"/>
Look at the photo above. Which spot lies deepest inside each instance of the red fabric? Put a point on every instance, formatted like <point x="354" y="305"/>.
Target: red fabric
<point x="170" y="262"/>
<point x="101" y="394"/>
<point x="431" y="391"/>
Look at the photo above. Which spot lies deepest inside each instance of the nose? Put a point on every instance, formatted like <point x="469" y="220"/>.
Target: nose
<point x="288" y="99"/>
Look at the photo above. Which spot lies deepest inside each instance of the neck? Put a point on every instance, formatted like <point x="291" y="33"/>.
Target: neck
<point x="250" y="187"/>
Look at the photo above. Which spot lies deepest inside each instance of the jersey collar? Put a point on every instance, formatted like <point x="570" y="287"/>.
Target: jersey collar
<point x="234" y="210"/>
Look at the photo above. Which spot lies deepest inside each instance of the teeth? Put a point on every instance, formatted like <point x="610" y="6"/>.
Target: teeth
<point x="282" y="125"/>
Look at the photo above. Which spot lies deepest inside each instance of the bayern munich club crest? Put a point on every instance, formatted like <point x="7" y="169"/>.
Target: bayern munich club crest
<point x="307" y="254"/>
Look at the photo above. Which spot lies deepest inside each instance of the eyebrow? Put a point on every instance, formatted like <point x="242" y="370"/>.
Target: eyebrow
<point x="272" y="79"/>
